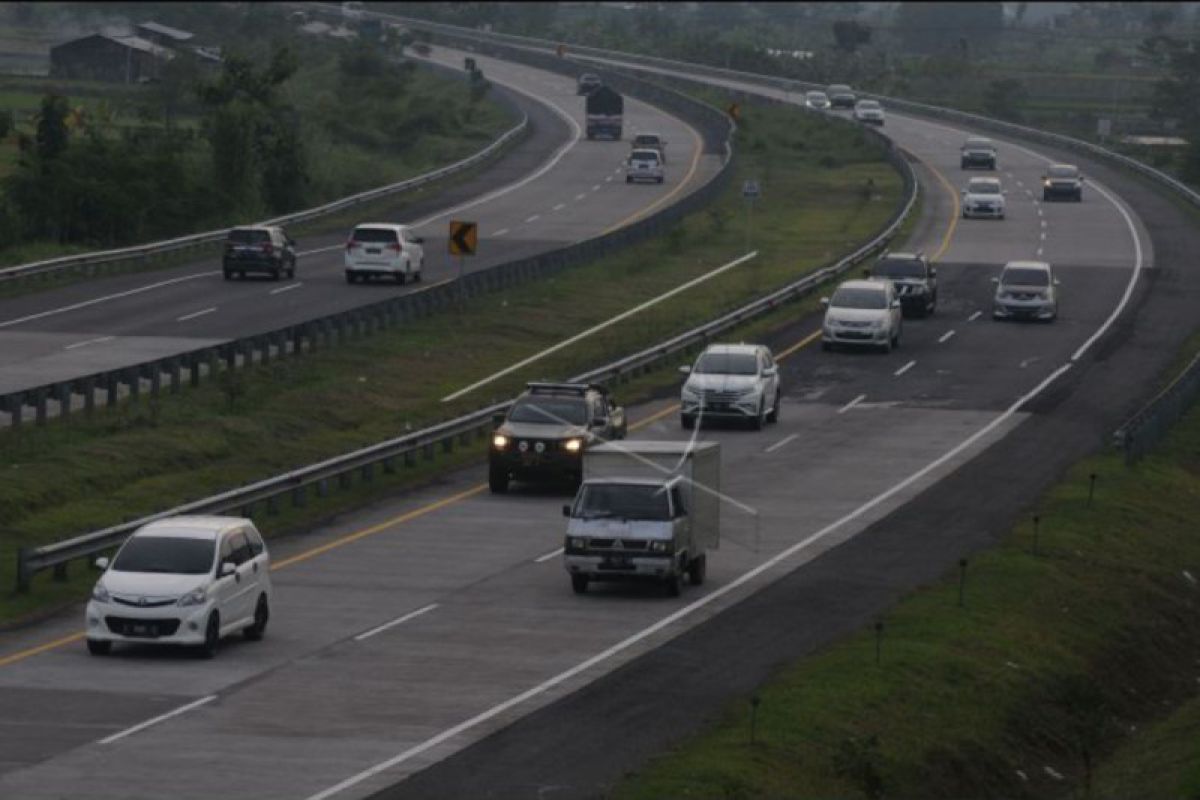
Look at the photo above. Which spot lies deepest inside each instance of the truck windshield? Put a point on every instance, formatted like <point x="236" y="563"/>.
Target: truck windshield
<point x="623" y="501"/>
<point x="550" y="411"/>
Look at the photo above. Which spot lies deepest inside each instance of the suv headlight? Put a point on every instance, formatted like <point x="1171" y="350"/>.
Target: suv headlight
<point x="660" y="546"/>
<point x="499" y="441"/>
<point x="100" y="593"/>
<point x="689" y="392"/>
<point x="576" y="543"/>
<point x="573" y="445"/>
<point x="196" y="597"/>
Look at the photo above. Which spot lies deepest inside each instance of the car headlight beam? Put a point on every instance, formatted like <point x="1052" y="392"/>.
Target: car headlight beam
<point x="499" y="441"/>
<point x="573" y="445"/>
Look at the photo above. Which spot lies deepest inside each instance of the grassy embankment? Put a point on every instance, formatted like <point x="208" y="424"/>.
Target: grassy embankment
<point x="1070" y="657"/>
<point x="77" y="475"/>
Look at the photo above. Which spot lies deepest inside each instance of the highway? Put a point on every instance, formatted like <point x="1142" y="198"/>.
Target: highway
<point x="553" y="189"/>
<point x="436" y="633"/>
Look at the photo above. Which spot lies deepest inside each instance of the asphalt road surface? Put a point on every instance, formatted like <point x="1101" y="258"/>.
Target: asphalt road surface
<point x="882" y="472"/>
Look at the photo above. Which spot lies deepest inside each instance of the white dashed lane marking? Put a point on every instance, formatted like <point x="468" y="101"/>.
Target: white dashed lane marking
<point x="905" y="368"/>
<point x="852" y="404"/>
<point x="195" y="314"/>
<point x="86" y="342"/>
<point x="287" y="288"/>
<point x="975" y="316"/>
<point x="500" y="232"/>
<point x="947" y="336"/>
<point x="534" y="218"/>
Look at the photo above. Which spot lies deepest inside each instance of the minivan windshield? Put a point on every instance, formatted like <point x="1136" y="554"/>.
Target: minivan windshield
<point x="1021" y="276"/>
<point x="623" y="501"/>
<point x="726" y="364"/>
<point x="245" y="236"/>
<point x="858" y="298"/>
<point x="375" y="235"/>
<point x="984" y="187"/>
<point x="550" y="411"/>
<point x="899" y="268"/>
<point x="167" y="554"/>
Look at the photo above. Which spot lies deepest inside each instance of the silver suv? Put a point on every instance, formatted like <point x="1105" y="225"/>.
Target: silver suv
<point x="731" y="381"/>
<point x="1026" y="290"/>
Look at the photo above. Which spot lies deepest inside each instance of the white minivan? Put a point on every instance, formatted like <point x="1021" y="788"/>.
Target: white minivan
<point x="183" y="581"/>
<point x="384" y="249"/>
<point x="865" y="312"/>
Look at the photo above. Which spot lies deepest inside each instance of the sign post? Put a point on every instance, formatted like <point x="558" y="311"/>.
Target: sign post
<point x="462" y="242"/>
<point x="751" y="192"/>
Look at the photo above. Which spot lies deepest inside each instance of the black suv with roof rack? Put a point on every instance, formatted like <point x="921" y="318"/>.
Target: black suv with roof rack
<point x="546" y="430"/>
<point x="259" y="248"/>
<point x="915" y="280"/>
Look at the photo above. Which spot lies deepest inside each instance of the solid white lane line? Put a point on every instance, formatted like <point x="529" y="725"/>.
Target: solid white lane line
<point x="977" y="314"/>
<point x="946" y="336"/>
<point x="905" y="368"/>
<point x="106" y="298"/>
<point x="534" y="218"/>
<point x="580" y="196"/>
<point x="852" y="404"/>
<point x="548" y="556"/>
<point x="690" y="608"/>
<point x="161" y="718"/>
<point x="398" y="621"/>
<point x="683" y="287"/>
<point x="287" y="288"/>
<point x="559" y="207"/>
<point x="193" y="315"/>
<point x="781" y="443"/>
<point x="97" y="340"/>
<point x="500" y="232"/>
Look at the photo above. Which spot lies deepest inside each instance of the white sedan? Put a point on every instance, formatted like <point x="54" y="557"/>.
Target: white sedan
<point x="869" y="112"/>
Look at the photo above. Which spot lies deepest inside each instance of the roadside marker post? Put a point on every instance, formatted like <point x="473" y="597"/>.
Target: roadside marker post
<point x="463" y="241"/>
<point x="751" y="192"/>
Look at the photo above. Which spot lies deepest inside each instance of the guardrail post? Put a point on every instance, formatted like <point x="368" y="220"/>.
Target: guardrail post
<point x="60" y="572"/>
<point x="273" y="505"/>
<point x="344" y="480"/>
<point x="173" y="370"/>
<point x="323" y="487"/>
<point x="39" y="405"/>
<point x="410" y="458"/>
<point x="299" y="497"/>
<point x="89" y="395"/>
<point x="427" y="451"/>
<point x="448" y="444"/>
<point x="62" y="393"/>
<point x="24" y="573"/>
<point x="368" y="472"/>
<point x="389" y="465"/>
<point x="264" y="344"/>
<point x="134" y="378"/>
<point x="111" y="390"/>
<point x="155" y="378"/>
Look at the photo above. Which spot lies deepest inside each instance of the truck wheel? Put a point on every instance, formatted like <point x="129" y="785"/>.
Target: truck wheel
<point x="674" y="585"/>
<point x="579" y="583"/>
<point x="99" y="648"/>
<point x="698" y="569"/>
<point x="773" y="414"/>
<point x="687" y="422"/>
<point x="497" y="480"/>
<point x="401" y="278"/>
<point x="757" y="422"/>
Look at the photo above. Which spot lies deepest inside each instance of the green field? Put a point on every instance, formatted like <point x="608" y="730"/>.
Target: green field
<point x="76" y="475"/>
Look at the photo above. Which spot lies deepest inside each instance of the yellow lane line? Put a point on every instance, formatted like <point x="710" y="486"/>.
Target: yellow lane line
<point x="41" y="648"/>
<point x="954" y="215"/>
<point x="666" y="197"/>
<point x="807" y="340"/>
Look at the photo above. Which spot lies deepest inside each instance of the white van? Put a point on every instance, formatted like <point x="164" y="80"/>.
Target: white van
<point x="383" y="249"/>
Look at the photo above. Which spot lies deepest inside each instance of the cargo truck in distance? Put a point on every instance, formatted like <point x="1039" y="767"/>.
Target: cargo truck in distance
<point x="646" y="511"/>
<point x="605" y="108"/>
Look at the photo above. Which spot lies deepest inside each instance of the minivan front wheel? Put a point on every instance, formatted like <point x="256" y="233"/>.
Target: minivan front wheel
<point x="212" y="636"/>
<point x="98" y="647"/>
<point x="262" y="613"/>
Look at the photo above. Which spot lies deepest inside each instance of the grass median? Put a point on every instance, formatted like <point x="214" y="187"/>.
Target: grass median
<point x="1057" y="661"/>
<point x="826" y="188"/>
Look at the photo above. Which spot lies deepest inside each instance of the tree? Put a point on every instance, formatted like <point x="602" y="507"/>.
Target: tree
<point x="1003" y="97"/>
<point x="938" y="27"/>
<point x="52" y="134"/>
<point x="1175" y="95"/>
<point x="851" y="34"/>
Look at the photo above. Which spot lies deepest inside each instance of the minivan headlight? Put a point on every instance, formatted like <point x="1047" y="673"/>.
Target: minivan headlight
<point x="196" y="597"/>
<point x="100" y="593"/>
<point x="573" y="445"/>
<point x="660" y="546"/>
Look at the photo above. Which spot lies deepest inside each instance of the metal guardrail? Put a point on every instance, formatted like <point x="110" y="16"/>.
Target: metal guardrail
<point x="1154" y="420"/>
<point x="473" y="426"/>
<point x="90" y="262"/>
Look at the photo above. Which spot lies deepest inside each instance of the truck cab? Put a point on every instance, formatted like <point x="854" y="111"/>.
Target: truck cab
<point x="645" y="511"/>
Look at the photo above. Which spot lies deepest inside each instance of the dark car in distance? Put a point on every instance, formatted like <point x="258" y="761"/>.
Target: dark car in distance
<point x="1062" y="180"/>
<point x="547" y="429"/>
<point x="915" y="280"/>
<point x="260" y="248"/>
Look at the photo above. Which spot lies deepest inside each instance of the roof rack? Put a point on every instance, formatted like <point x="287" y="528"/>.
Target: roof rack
<point x="572" y="389"/>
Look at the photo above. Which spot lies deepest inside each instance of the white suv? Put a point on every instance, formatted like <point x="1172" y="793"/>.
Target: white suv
<point x="644" y="165"/>
<point x="869" y="111"/>
<point x="381" y="248"/>
<point x="862" y="312"/>
<point x="983" y="197"/>
<point x="731" y="381"/>
<point x="182" y="580"/>
<point x="1026" y="290"/>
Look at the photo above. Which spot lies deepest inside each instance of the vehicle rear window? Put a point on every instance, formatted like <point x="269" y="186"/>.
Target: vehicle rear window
<point x="979" y="143"/>
<point x="727" y="364"/>
<point x="1063" y="172"/>
<point x="646" y="140"/>
<point x="1019" y="276"/>
<point x="899" y="268"/>
<point x="166" y="554"/>
<point x="868" y="104"/>
<point x="549" y="411"/>
<point x="375" y="235"/>
<point x="249" y="237"/>
<point x="623" y="501"/>
<point x="859" y="298"/>
<point x="645" y="155"/>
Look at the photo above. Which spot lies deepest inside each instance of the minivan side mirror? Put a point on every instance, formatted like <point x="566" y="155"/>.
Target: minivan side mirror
<point x="825" y="302"/>
<point x="102" y="563"/>
<point x="770" y="372"/>
<point x="227" y="568"/>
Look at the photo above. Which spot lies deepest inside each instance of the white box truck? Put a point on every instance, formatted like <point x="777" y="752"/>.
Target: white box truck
<point x="645" y="510"/>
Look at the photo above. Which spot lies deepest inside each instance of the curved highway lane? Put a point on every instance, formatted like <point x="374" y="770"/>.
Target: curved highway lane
<point x="420" y="626"/>
<point x="564" y="189"/>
